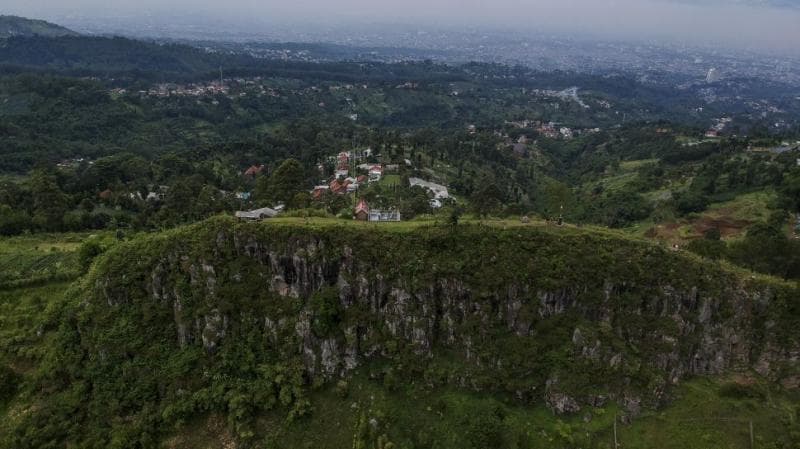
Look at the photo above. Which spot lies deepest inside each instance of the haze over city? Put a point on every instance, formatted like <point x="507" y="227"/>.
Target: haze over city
<point x="759" y="26"/>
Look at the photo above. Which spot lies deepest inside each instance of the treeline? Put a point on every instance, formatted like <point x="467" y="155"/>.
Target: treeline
<point x="127" y="62"/>
<point x="134" y="60"/>
<point x="765" y="248"/>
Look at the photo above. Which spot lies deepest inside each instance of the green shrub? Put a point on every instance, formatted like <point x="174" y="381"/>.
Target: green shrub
<point x="9" y="381"/>
<point x="486" y="427"/>
<point x="327" y="312"/>
<point x="737" y="390"/>
<point x="88" y="251"/>
<point x="711" y="249"/>
<point x="307" y="212"/>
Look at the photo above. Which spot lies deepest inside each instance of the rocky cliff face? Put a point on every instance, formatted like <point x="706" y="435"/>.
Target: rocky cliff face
<point x="551" y="315"/>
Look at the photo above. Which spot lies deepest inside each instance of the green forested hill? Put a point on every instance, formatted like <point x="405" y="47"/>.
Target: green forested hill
<point x="137" y="60"/>
<point x="11" y="26"/>
<point x="293" y="334"/>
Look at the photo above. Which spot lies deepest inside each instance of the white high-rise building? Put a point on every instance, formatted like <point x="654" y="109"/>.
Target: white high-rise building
<point x="713" y="75"/>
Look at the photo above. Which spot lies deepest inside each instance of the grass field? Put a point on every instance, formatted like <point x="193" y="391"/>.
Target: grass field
<point x="704" y="413"/>
<point x="412" y="225"/>
<point x="636" y="165"/>
<point x="748" y="207"/>
<point x="38" y="258"/>
<point x="390" y="180"/>
<point x="716" y="413"/>
<point x="732" y="218"/>
<point x="35" y="259"/>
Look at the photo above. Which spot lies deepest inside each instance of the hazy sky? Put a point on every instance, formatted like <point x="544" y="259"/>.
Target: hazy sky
<point x="741" y="23"/>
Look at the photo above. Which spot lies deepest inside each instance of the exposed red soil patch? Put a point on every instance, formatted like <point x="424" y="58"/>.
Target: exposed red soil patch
<point x="727" y="226"/>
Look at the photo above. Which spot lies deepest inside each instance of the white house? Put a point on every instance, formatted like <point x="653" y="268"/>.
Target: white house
<point x="375" y="173"/>
<point x="384" y="215"/>
<point x="439" y="191"/>
<point x="257" y="214"/>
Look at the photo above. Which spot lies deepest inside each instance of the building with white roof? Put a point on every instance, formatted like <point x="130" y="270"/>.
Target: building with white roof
<point x="257" y="214"/>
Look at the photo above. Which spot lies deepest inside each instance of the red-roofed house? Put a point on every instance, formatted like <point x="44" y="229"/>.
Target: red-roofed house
<point x="375" y="173"/>
<point x="362" y="211"/>
<point x="339" y="187"/>
<point x="254" y="170"/>
<point x="319" y="191"/>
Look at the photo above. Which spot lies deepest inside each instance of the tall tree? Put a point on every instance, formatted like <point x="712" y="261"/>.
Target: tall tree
<point x="49" y="202"/>
<point x="487" y="198"/>
<point x="286" y="181"/>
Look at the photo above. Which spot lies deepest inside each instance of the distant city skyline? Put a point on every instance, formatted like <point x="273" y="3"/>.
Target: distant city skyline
<point x="751" y="24"/>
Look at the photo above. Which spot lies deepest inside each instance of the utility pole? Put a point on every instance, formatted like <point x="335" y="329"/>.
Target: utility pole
<point x="616" y="444"/>
<point x="752" y="440"/>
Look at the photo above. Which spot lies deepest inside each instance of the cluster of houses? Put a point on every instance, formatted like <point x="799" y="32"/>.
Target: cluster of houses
<point x="551" y="130"/>
<point x="155" y="193"/>
<point x="719" y="125"/>
<point x="351" y="171"/>
<point x="226" y="86"/>
<point x="74" y="162"/>
<point x="546" y="129"/>
<point x="179" y="90"/>
<point x="345" y="180"/>
<point x="569" y="94"/>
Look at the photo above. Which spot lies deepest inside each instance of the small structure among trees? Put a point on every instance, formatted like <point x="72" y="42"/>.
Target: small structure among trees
<point x="384" y="215"/>
<point x="362" y="211"/>
<point x="254" y="171"/>
<point x="257" y="214"/>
